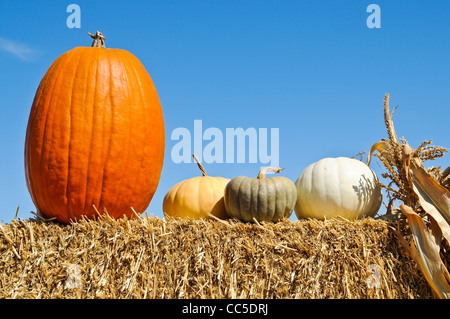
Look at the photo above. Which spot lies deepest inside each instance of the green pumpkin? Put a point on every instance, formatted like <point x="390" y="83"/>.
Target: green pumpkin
<point x="261" y="199"/>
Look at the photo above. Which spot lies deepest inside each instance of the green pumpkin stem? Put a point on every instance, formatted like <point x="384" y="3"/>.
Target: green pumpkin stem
<point x="264" y="170"/>
<point x="99" y="40"/>
<point x="199" y="165"/>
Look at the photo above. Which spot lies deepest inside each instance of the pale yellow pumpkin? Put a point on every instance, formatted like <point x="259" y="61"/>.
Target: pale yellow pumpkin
<point x="197" y="197"/>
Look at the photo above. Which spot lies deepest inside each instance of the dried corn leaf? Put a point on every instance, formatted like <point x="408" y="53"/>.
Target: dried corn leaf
<point x="433" y="197"/>
<point x="419" y="191"/>
<point x="425" y="252"/>
<point x="382" y="147"/>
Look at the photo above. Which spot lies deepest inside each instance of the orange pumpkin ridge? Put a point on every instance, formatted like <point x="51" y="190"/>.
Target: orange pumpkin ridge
<point x="95" y="136"/>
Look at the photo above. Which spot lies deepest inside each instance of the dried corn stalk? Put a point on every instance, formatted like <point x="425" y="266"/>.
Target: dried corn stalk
<point x="426" y="200"/>
<point x="425" y="251"/>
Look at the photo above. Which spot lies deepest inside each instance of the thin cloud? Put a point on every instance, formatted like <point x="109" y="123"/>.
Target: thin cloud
<point x="19" y="50"/>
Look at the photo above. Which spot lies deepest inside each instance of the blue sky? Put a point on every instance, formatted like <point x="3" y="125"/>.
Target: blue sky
<point x="312" y="69"/>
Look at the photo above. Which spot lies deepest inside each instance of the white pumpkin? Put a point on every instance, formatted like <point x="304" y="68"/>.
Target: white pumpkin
<point x="339" y="186"/>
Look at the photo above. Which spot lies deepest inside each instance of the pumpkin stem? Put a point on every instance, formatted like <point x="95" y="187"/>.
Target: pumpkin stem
<point x="264" y="170"/>
<point x="199" y="165"/>
<point x="99" y="40"/>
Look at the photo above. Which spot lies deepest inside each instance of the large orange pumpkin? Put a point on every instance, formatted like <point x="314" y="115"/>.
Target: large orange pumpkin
<point x="95" y="137"/>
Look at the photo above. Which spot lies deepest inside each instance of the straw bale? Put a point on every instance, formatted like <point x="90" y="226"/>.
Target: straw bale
<point x="151" y="257"/>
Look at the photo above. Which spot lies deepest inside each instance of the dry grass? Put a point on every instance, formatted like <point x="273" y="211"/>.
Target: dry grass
<point x="154" y="258"/>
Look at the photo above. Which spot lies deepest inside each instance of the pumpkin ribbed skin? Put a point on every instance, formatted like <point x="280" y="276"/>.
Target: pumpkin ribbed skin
<point x="195" y="197"/>
<point x="268" y="199"/>
<point x="340" y="186"/>
<point x="95" y="136"/>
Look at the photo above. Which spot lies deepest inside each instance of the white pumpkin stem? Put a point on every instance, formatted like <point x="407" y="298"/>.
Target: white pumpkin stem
<point x="264" y="170"/>
<point x="199" y="165"/>
<point x="99" y="40"/>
